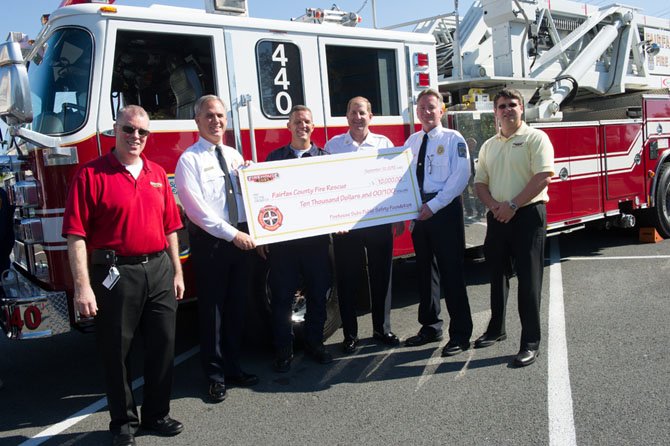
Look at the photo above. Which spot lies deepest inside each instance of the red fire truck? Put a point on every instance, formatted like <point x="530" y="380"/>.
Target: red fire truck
<point x="595" y="79"/>
<point x="92" y="58"/>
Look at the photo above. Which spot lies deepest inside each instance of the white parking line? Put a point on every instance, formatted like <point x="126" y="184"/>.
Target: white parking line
<point x="559" y="393"/>
<point x="70" y="421"/>
<point x="431" y="366"/>
<point x="620" y="257"/>
<point x="375" y="364"/>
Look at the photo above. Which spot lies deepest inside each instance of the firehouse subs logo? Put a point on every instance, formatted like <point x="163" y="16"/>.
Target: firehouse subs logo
<point x="264" y="178"/>
<point x="270" y="218"/>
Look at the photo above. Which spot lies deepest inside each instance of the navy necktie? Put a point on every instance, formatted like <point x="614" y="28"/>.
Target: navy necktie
<point x="421" y="161"/>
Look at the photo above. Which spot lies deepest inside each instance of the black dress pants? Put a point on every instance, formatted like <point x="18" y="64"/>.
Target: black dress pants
<point x="521" y="241"/>
<point x="299" y="264"/>
<point x="142" y="300"/>
<point x="222" y="274"/>
<point x="374" y="244"/>
<point x="439" y="244"/>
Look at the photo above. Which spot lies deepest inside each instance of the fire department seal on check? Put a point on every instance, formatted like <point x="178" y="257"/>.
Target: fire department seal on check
<point x="270" y="218"/>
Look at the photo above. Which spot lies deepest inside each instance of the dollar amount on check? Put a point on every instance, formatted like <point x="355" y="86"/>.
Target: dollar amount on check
<point x="297" y="198"/>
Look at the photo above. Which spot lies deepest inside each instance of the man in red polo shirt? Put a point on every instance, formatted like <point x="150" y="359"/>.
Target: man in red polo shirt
<point x="121" y="218"/>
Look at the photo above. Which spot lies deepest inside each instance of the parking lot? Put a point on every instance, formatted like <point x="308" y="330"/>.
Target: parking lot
<point x="601" y="377"/>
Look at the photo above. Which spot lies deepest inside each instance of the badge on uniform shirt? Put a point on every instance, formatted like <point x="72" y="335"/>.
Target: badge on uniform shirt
<point x="440" y="149"/>
<point x="462" y="150"/>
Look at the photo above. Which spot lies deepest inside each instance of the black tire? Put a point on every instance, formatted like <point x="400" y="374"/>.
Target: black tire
<point x="661" y="212"/>
<point x="259" y="311"/>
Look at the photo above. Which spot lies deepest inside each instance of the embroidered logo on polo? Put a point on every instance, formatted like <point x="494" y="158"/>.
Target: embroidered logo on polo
<point x="270" y="218"/>
<point x="156" y="185"/>
<point x="518" y="144"/>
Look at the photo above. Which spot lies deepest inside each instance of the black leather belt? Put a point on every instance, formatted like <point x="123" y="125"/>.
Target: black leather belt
<point x="109" y="258"/>
<point x="133" y="260"/>
<point x="426" y="197"/>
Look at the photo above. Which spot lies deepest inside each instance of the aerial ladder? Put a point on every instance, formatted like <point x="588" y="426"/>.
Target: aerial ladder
<point x="553" y="52"/>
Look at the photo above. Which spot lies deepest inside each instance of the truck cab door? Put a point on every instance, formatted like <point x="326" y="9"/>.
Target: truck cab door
<point x="165" y="69"/>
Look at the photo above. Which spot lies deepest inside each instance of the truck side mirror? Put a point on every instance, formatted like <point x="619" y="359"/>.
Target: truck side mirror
<point x="15" y="103"/>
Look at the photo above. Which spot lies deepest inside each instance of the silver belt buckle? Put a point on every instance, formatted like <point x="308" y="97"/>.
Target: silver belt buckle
<point x="146" y="259"/>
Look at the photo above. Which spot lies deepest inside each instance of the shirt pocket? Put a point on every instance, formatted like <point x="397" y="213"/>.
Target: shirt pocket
<point x="213" y="183"/>
<point x="439" y="168"/>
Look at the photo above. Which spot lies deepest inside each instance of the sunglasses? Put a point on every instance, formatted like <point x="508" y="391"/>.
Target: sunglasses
<point x="130" y="130"/>
<point x="504" y="106"/>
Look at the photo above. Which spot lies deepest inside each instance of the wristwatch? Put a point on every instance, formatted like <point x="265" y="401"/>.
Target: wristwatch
<point x="512" y="205"/>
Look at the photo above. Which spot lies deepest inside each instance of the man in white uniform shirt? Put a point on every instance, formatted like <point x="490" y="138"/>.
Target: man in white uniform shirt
<point x="208" y="187"/>
<point x="351" y="247"/>
<point x="442" y="164"/>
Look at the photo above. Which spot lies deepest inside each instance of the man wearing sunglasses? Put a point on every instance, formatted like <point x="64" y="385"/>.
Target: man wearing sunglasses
<point x="442" y="163"/>
<point x="121" y="210"/>
<point x="514" y="170"/>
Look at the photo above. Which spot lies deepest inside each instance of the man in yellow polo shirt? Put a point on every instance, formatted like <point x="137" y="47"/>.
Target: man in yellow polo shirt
<point x="513" y="172"/>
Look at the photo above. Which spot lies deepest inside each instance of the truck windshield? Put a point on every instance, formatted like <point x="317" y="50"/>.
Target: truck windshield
<point x="60" y="73"/>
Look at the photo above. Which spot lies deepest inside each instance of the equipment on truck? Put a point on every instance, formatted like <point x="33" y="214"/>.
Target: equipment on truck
<point x="595" y="79"/>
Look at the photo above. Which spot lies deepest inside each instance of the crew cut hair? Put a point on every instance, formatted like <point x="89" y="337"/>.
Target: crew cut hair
<point x="298" y="108"/>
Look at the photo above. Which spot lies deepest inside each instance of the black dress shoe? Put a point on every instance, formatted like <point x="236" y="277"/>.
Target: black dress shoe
<point x="283" y="364"/>
<point x="319" y="354"/>
<point x="164" y="426"/>
<point x="454" y="348"/>
<point x="349" y="345"/>
<point x="123" y="440"/>
<point x="487" y="340"/>
<point x="421" y="339"/>
<point x="242" y="380"/>
<point x="526" y="357"/>
<point x="217" y="391"/>
<point x="387" y="338"/>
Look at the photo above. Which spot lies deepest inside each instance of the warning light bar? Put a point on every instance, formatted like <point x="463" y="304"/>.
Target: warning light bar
<point x="334" y="16"/>
<point x="81" y="2"/>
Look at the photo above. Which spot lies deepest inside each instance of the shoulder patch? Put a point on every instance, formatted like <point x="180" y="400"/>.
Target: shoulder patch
<point x="462" y="150"/>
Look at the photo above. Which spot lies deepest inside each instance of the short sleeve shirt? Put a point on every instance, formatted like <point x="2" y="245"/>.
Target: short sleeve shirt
<point x="113" y="210"/>
<point x="506" y="165"/>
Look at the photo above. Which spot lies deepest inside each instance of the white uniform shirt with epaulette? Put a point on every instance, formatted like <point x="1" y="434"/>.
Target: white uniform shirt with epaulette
<point x="447" y="166"/>
<point x="201" y="187"/>
<point x="344" y="143"/>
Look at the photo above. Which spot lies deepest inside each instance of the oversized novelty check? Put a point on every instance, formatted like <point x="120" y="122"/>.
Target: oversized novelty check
<point x="297" y="198"/>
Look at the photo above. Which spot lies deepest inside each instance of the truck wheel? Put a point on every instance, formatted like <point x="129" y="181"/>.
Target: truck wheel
<point x="261" y="311"/>
<point x="662" y="209"/>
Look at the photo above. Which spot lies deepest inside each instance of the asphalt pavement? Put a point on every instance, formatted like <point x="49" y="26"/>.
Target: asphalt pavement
<point x="601" y="378"/>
